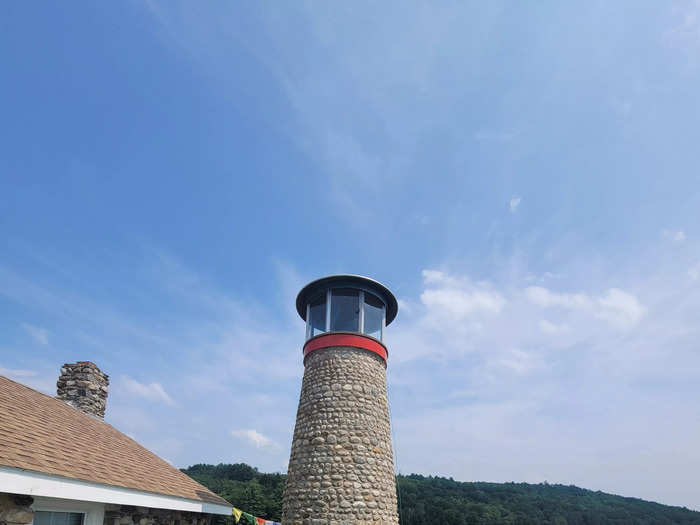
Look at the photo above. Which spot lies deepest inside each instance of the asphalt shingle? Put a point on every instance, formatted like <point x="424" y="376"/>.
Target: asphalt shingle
<point x="43" y="434"/>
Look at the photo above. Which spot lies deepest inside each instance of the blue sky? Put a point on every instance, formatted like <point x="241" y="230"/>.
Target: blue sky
<point x="523" y="177"/>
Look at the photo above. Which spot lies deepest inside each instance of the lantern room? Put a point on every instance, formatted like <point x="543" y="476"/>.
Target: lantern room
<point x="346" y="304"/>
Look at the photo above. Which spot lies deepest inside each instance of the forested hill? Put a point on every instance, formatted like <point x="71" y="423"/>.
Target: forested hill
<point x="431" y="500"/>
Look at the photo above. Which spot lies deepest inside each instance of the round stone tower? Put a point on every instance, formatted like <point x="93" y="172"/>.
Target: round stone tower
<point x="341" y="468"/>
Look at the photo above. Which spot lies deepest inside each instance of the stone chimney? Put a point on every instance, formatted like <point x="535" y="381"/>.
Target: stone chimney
<point x="84" y="386"/>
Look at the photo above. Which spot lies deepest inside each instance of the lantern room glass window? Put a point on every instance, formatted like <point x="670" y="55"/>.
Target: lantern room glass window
<point x="373" y="316"/>
<point x="317" y="316"/>
<point x="345" y="310"/>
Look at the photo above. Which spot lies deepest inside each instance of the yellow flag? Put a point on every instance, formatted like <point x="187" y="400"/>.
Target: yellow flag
<point x="237" y="514"/>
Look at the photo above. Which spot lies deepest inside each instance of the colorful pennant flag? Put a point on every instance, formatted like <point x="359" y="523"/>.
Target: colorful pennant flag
<point x="248" y="519"/>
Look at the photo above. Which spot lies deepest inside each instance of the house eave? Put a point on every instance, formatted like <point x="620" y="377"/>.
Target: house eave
<point x="32" y="483"/>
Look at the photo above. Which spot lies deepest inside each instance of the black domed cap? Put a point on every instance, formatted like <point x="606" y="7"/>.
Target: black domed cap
<point x="360" y="282"/>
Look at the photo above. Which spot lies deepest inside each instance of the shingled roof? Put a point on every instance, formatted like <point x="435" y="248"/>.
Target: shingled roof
<point x="42" y="434"/>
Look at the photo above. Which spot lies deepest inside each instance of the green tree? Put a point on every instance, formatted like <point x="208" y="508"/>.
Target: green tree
<point x="428" y="500"/>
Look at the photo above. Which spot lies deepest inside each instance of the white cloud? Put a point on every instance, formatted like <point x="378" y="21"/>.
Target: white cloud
<point x="616" y="306"/>
<point x="39" y="334"/>
<point x="151" y="391"/>
<point x="404" y="305"/>
<point x="254" y="438"/>
<point x="557" y="373"/>
<point x="543" y="297"/>
<point x="514" y="203"/>
<point x="516" y="361"/>
<point x="570" y="376"/>
<point x="16" y="374"/>
<point x="460" y="303"/>
<point x="550" y="328"/>
<point x="674" y="236"/>
<point x="620" y="308"/>
<point x="436" y="276"/>
<point x="43" y="381"/>
<point x="457" y="298"/>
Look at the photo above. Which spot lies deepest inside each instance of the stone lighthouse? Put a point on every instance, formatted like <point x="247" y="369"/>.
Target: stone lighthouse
<point x="341" y="468"/>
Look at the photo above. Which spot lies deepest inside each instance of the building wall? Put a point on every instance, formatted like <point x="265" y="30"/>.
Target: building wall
<point x="341" y="468"/>
<point x="18" y="509"/>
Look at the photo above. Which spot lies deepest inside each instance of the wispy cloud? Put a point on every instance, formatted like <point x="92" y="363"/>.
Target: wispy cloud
<point x="42" y="381"/>
<point x="517" y="361"/>
<point x="551" y="328"/>
<point x="513" y="204"/>
<point x="39" y="334"/>
<point x="206" y="341"/>
<point x="684" y="34"/>
<point x="694" y="272"/>
<point x="527" y="356"/>
<point x="554" y="359"/>
<point x="253" y="437"/>
<point x="17" y="373"/>
<point x="151" y="391"/>
<point x="674" y="236"/>
<point x="618" y="307"/>
<point x="543" y="297"/>
<point x="369" y="142"/>
<point x="458" y="299"/>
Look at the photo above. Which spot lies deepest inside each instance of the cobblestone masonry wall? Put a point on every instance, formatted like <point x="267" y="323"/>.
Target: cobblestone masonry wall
<point x="15" y="509"/>
<point x="84" y="386"/>
<point x="127" y="515"/>
<point x="341" y="468"/>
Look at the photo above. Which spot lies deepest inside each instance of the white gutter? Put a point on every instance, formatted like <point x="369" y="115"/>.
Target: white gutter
<point x="31" y="483"/>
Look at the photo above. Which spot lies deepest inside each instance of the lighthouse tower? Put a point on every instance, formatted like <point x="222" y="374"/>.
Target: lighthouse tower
<point x="341" y="468"/>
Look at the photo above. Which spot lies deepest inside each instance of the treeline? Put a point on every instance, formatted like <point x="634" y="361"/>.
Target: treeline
<point x="429" y="500"/>
<point x="438" y="500"/>
<point x="244" y="487"/>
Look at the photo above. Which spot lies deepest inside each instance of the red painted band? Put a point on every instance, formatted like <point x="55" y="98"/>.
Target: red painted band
<point x="354" y="340"/>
